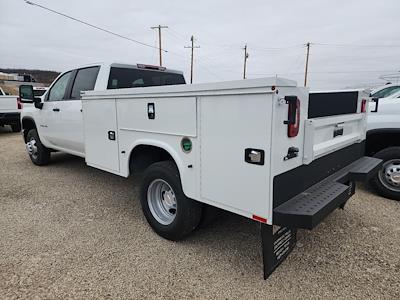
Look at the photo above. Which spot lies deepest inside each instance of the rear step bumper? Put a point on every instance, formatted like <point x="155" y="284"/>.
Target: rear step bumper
<point x="309" y="208"/>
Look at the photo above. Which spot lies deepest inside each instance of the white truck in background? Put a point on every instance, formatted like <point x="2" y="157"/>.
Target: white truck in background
<point x="383" y="140"/>
<point x="258" y="148"/>
<point x="10" y="109"/>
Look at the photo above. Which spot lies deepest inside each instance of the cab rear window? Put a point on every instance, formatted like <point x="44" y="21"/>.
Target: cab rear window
<point x="130" y="78"/>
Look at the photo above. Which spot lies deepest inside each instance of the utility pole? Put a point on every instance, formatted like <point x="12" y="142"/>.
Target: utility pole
<point x="306" y="72"/>
<point x="246" y="56"/>
<point x="159" y="27"/>
<point x="191" y="57"/>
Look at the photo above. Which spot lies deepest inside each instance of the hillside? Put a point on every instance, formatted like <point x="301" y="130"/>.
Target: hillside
<point x="43" y="76"/>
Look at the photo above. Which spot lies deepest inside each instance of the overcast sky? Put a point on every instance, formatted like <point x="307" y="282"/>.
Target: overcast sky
<point x="363" y="37"/>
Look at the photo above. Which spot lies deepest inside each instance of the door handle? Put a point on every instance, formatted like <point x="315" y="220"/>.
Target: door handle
<point x="56" y="109"/>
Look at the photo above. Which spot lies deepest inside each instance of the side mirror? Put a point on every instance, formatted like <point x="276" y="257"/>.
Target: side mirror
<point x="376" y="100"/>
<point x="26" y="93"/>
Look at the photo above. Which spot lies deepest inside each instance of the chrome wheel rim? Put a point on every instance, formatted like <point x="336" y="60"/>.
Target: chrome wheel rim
<point x="32" y="149"/>
<point x="389" y="175"/>
<point x="162" y="201"/>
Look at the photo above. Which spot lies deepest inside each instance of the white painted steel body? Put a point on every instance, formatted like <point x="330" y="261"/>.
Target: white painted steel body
<point x="222" y="120"/>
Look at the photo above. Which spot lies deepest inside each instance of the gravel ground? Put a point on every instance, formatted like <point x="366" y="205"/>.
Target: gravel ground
<point x="71" y="231"/>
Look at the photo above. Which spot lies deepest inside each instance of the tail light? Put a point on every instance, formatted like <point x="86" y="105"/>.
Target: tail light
<point x="293" y="120"/>
<point x="363" y="105"/>
<point x="19" y="103"/>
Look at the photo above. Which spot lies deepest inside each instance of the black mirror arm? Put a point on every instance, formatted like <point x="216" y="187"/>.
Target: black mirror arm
<point x="376" y="100"/>
<point x="38" y="103"/>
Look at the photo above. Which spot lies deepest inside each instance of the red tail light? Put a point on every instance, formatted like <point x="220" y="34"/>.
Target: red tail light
<point x="363" y="105"/>
<point x="19" y="103"/>
<point x="293" y="121"/>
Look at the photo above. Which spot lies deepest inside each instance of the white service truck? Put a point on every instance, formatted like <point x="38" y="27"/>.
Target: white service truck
<point x="10" y="108"/>
<point x="250" y="147"/>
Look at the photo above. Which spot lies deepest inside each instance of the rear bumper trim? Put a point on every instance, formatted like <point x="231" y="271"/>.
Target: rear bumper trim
<point x="309" y="208"/>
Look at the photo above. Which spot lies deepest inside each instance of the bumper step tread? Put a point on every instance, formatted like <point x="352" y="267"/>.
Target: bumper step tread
<point x="309" y="208"/>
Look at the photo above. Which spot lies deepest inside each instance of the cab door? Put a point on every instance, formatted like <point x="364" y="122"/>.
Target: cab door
<point x="70" y="123"/>
<point x="49" y="115"/>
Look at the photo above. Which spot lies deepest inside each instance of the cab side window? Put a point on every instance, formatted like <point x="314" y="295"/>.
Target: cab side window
<point x="85" y="80"/>
<point x="57" y="91"/>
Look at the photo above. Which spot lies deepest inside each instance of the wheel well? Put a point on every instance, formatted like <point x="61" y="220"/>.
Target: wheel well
<point x="27" y="124"/>
<point x="379" y="140"/>
<point x="143" y="156"/>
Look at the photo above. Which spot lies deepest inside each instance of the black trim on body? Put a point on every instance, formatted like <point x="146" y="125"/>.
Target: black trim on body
<point x="293" y="182"/>
<point x="332" y="104"/>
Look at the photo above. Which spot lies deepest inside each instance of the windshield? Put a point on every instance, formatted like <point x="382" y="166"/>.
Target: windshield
<point x="129" y="78"/>
<point x="386" y="92"/>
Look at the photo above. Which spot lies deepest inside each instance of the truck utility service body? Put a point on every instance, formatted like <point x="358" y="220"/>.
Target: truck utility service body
<point x="245" y="146"/>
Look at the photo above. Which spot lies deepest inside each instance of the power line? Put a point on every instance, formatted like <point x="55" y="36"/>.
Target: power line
<point x="354" y="45"/>
<point x="93" y="26"/>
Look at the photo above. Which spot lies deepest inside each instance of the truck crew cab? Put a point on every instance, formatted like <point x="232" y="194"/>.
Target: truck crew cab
<point x="259" y="148"/>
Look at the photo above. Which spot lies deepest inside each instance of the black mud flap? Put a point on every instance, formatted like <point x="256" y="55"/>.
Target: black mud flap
<point x="276" y="246"/>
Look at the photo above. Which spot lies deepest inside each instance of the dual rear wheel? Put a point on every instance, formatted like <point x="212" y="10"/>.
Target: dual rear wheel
<point x="169" y="212"/>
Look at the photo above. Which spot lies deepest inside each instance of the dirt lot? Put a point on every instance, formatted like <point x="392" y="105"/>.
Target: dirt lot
<point x="71" y="231"/>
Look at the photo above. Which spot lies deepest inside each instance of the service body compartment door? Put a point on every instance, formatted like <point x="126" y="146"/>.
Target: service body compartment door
<point x="101" y="134"/>
<point x="230" y="127"/>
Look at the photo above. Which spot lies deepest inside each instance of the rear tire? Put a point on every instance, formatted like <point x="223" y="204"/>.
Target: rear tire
<point x="168" y="211"/>
<point x="16" y="127"/>
<point x="39" y="154"/>
<point x="387" y="181"/>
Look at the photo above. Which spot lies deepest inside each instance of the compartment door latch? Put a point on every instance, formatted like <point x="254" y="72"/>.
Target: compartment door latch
<point x="292" y="153"/>
<point x="111" y="135"/>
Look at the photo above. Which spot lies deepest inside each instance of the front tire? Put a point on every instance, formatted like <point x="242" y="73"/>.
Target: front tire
<point x="39" y="154"/>
<point x="168" y="211"/>
<point x="387" y="181"/>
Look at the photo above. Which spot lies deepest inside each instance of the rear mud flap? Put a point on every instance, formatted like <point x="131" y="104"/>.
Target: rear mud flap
<point x="276" y="246"/>
<point x="309" y="208"/>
